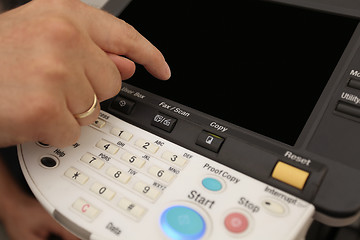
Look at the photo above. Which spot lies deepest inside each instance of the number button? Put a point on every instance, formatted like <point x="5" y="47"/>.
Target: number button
<point x="133" y="160"/>
<point x="118" y="175"/>
<point x="107" y="146"/>
<point x="172" y="157"/>
<point x="102" y="191"/>
<point x="147" y="146"/>
<point x="92" y="160"/>
<point x="146" y="190"/>
<point x="161" y="174"/>
<point x="122" y="134"/>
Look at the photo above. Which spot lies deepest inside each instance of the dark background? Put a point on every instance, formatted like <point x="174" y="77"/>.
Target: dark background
<point x="259" y="65"/>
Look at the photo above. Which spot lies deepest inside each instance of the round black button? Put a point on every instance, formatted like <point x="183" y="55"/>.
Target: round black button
<point x="49" y="161"/>
<point x="41" y="144"/>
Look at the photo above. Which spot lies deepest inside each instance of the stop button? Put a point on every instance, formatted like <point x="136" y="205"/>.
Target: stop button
<point x="236" y="222"/>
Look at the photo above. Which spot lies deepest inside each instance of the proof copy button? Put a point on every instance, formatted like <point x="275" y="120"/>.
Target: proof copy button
<point x="212" y="184"/>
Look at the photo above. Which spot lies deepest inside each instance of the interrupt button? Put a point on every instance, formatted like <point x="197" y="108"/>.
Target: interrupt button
<point x="291" y="175"/>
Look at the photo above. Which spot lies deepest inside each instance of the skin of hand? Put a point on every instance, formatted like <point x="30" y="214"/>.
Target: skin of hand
<point x="54" y="55"/>
<point x="22" y="215"/>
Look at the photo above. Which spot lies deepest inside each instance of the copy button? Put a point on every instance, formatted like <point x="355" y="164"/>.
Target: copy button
<point x="210" y="141"/>
<point x="290" y="175"/>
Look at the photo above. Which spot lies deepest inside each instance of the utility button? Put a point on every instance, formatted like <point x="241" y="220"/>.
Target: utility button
<point x="290" y="175"/>
<point x="348" y="109"/>
<point x="210" y="141"/>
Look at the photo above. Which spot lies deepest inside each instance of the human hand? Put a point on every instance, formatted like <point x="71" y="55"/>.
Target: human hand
<point x="21" y="214"/>
<point x="54" y="55"/>
<point x="27" y="219"/>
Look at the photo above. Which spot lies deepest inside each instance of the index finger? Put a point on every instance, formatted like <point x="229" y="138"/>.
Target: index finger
<point x="115" y="36"/>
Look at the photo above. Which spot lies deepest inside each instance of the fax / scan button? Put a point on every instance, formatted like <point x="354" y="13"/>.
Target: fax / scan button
<point x="290" y="175"/>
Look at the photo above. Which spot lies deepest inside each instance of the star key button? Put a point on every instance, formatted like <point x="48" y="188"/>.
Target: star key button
<point x="76" y="175"/>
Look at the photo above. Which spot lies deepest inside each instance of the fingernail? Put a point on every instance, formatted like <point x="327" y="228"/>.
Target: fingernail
<point x="167" y="72"/>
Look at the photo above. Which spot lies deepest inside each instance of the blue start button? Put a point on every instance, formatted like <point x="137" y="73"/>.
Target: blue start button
<point x="181" y="222"/>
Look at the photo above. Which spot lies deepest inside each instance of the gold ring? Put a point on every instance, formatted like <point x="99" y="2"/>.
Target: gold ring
<point x="89" y="111"/>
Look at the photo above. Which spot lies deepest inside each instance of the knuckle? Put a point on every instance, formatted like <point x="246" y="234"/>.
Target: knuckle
<point x="50" y="69"/>
<point x="110" y="91"/>
<point x="131" y="33"/>
<point x="60" y="31"/>
<point x="129" y="36"/>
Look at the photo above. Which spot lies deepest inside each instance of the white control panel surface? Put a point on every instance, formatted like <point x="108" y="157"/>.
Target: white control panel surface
<point x="96" y="3"/>
<point x="121" y="182"/>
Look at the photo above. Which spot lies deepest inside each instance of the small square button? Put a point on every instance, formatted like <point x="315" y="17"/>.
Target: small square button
<point x="210" y="141"/>
<point x="164" y="122"/>
<point x="123" y="105"/>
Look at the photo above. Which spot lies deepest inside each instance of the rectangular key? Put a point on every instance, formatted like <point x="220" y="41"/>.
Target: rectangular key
<point x="147" y="146"/>
<point x="102" y="191"/>
<point x="118" y="175"/>
<point x="92" y="160"/>
<point x="122" y="134"/>
<point x="86" y="208"/>
<point x="99" y="123"/>
<point x="76" y="175"/>
<point x="131" y="207"/>
<point x="107" y="146"/>
<point x="161" y="174"/>
<point x="147" y="190"/>
<point x="133" y="160"/>
<point x="174" y="158"/>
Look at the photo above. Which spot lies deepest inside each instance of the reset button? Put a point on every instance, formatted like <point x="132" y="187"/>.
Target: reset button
<point x="290" y="175"/>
